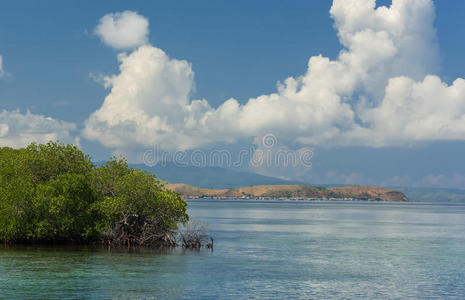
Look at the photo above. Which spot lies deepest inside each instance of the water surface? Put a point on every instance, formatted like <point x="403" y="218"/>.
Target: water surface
<point x="266" y="250"/>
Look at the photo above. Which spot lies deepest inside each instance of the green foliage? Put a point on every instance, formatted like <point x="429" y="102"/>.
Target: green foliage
<point x="130" y="192"/>
<point x="53" y="193"/>
<point x="46" y="162"/>
<point x="62" y="209"/>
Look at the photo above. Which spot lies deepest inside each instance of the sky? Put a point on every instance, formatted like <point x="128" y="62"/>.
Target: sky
<point x="375" y="93"/>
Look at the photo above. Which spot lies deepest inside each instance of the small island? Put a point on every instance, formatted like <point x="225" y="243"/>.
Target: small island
<point x="297" y="192"/>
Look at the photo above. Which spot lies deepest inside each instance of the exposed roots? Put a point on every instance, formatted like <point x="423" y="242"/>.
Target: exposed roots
<point x="136" y="231"/>
<point x="193" y="236"/>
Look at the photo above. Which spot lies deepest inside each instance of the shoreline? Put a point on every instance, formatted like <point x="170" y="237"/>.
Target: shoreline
<point x="318" y="200"/>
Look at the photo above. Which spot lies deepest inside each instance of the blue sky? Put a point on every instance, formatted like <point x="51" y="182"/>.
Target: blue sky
<point x="236" y="49"/>
<point x="50" y="48"/>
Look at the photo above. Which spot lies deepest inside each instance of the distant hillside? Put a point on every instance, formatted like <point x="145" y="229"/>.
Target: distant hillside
<point x="418" y="194"/>
<point x="208" y="177"/>
<point x="220" y="178"/>
<point x="293" y="191"/>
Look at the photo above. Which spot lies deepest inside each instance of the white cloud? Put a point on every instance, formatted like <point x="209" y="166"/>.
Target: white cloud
<point x="270" y="157"/>
<point x="378" y="92"/>
<point x="415" y="111"/>
<point x="148" y="103"/>
<point x="18" y="130"/>
<point x="124" y="30"/>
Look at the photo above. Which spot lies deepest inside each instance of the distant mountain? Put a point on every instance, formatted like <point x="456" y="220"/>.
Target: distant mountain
<point x="208" y="177"/>
<point x="419" y="194"/>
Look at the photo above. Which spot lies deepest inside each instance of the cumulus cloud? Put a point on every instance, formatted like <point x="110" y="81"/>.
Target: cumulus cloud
<point x="18" y="130"/>
<point x="124" y="30"/>
<point x="415" y="111"/>
<point x="148" y="103"/>
<point x="378" y="92"/>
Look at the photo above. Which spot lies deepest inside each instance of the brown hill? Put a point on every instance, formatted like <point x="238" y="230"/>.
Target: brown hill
<point x="293" y="191"/>
<point x="371" y="192"/>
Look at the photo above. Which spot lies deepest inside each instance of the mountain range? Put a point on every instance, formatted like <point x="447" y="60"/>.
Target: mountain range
<point x="209" y="177"/>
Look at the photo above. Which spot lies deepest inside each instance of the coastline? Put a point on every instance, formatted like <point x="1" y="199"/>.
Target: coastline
<point x="292" y="192"/>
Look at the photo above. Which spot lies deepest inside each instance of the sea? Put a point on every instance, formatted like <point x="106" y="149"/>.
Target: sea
<point x="265" y="250"/>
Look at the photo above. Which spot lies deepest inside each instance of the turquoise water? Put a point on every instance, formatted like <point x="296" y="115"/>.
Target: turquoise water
<point x="266" y="250"/>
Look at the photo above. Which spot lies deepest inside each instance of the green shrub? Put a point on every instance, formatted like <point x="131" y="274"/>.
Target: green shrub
<point x="54" y="193"/>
